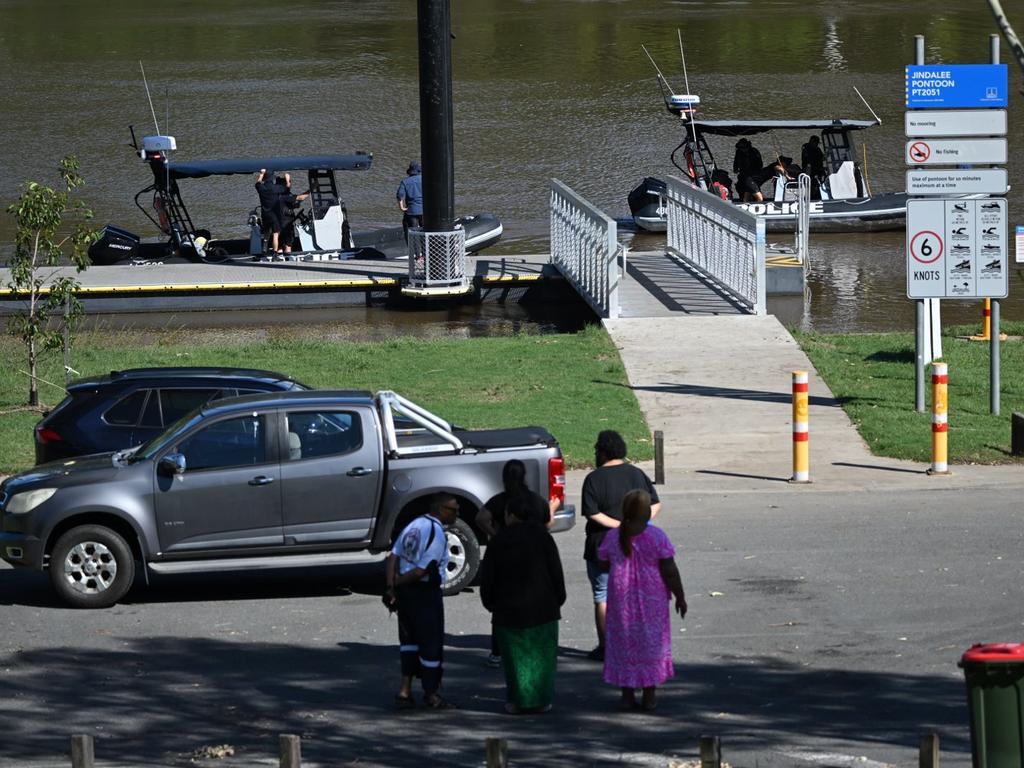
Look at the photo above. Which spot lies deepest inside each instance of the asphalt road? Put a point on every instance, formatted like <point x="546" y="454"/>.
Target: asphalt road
<point x="824" y="629"/>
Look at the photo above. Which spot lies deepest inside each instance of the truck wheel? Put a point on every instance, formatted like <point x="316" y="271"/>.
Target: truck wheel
<point x="91" y="567"/>
<point x="463" y="557"/>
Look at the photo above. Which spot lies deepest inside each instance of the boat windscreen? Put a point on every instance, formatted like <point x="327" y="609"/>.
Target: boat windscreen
<point x="753" y="127"/>
<point x="202" y="168"/>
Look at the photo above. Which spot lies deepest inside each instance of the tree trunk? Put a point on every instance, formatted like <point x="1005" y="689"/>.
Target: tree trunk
<point x="33" y="385"/>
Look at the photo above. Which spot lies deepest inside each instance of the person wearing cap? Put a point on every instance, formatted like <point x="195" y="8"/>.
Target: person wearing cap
<point x="410" y="197"/>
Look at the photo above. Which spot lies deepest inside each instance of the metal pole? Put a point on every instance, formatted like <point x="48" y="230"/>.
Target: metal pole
<point x="437" y="143"/>
<point x="993" y="371"/>
<point x="919" y="332"/>
<point x="919" y="328"/>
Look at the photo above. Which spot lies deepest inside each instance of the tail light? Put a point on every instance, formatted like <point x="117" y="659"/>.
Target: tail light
<point x="556" y="479"/>
<point x="48" y="435"/>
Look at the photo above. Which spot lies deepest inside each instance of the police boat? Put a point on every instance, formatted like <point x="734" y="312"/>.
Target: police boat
<point x="842" y="200"/>
<point x="322" y="229"/>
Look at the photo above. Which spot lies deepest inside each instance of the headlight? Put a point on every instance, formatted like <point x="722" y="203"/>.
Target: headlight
<point x="21" y="503"/>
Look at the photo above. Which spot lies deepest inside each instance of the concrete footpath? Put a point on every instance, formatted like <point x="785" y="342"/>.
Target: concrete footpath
<point x="720" y="389"/>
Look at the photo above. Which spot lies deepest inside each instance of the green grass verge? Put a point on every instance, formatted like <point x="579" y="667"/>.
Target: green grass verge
<point x="872" y="375"/>
<point x="573" y="384"/>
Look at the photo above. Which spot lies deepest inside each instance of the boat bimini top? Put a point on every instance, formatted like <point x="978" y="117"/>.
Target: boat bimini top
<point x="754" y="127"/>
<point x="199" y="169"/>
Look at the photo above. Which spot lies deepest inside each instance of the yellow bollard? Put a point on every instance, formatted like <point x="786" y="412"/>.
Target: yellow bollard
<point x="940" y="420"/>
<point x="801" y="434"/>
<point x="986" y="324"/>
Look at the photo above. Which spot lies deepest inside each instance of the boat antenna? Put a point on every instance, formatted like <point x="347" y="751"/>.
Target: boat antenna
<point x="661" y="78"/>
<point x="148" y="96"/>
<point x="693" y="110"/>
<point x="868" y="105"/>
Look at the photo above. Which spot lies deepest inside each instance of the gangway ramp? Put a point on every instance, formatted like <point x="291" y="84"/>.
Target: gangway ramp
<point x="714" y="261"/>
<point x="657" y="284"/>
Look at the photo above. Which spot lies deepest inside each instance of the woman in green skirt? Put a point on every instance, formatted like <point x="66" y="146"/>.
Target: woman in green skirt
<point x="522" y="585"/>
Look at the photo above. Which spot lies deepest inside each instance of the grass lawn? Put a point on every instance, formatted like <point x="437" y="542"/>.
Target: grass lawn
<point x="569" y="383"/>
<point x="872" y="375"/>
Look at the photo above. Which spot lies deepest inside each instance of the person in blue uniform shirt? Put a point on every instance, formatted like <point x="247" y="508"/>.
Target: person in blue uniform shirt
<point x="414" y="574"/>
<point x="410" y="197"/>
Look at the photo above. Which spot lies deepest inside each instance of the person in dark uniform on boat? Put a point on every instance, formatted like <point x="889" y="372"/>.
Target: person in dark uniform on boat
<point x="813" y="161"/>
<point x="270" y="209"/>
<point x="747" y="163"/>
<point x="288" y="210"/>
<point x="410" y="197"/>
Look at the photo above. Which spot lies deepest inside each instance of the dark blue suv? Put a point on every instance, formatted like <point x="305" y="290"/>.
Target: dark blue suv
<point x="126" y="408"/>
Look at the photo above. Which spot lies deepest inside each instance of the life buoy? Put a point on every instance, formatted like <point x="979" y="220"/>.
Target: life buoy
<point x="161" y="213"/>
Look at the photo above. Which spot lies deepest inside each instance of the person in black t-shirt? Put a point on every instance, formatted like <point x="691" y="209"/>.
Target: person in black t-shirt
<point x="288" y="211"/>
<point x="270" y="208"/>
<point x="603" y="491"/>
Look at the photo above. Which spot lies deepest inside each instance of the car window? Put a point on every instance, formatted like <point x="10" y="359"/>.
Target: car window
<point x="175" y="403"/>
<point x="312" y="434"/>
<point x="234" y="442"/>
<point x="125" y="412"/>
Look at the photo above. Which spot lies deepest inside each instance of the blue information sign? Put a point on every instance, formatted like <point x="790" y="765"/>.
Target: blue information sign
<point x="956" y="85"/>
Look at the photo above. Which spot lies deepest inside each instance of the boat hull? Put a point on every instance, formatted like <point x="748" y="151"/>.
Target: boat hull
<point x="862" y="214"/>
<point x="119" y="246"/>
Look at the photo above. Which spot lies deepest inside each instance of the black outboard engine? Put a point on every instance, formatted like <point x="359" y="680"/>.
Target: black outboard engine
<point x="115" y="244"/>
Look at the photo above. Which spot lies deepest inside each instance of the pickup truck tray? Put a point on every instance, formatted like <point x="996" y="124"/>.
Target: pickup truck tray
<point x="492" y="439"/>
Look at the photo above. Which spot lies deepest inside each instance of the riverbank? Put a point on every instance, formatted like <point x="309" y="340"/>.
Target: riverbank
<point x="573" y="384"/>
<point x="872" y="377"/>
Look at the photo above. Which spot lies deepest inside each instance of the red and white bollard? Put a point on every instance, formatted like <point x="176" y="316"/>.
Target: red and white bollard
<point x="801" y="431"/>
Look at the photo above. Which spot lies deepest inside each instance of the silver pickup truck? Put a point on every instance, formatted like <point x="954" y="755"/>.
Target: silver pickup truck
<point x="281" y="479"/>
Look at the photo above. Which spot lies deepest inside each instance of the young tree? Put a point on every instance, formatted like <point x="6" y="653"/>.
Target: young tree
<point x="50" y="227"/>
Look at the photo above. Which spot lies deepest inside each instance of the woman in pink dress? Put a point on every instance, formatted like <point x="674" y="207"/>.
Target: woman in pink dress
<point x="638" y="646"/>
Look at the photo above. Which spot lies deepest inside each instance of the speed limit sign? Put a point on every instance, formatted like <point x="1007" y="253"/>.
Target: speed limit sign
<point x="926" y="249"/>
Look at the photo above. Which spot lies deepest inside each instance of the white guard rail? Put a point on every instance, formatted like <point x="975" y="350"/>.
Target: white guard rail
<point x="584" y="247"/>
<point x="718" y="239"/>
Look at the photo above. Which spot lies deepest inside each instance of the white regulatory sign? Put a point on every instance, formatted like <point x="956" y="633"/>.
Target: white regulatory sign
<point x="969" y="181"/>
<point x="954" y="151"/>
<point x="962" y="122"/>
<point x="957" y="249"/>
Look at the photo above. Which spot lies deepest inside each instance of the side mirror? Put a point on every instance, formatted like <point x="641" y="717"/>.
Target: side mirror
<point x="172" y="464"/>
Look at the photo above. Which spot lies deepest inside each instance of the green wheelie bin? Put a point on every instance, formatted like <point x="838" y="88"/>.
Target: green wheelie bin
<point x="995" y="700"/>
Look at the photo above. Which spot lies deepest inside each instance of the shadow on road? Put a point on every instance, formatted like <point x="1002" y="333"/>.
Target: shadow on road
<point x="155" y="701"/>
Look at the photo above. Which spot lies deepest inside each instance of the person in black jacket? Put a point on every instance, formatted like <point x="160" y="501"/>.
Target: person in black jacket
<point x="522" y="585"/>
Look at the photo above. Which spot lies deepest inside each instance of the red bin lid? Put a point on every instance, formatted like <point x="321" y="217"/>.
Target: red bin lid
<point x="995" y="652"/>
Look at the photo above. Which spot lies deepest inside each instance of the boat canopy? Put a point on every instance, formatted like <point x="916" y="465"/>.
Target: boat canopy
<point x="202" y="168"/>
<point x="753" y="127"/>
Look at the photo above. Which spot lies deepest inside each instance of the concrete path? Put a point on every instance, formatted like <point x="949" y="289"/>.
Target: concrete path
<point x="720" y="389"/>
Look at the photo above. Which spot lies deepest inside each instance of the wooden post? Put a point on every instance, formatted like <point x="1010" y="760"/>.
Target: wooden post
<point x="929" y="756"/>
<point x="659" y="457"/>
<point x="710" y="752"/>
<point x="497" y="753"/>
<point x="82" y="752"/>
<point x="1017" y="434"/>
<point x="291" y="750"/>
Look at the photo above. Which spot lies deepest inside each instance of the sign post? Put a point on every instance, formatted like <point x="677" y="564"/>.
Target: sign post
<point x="957" y="246"/>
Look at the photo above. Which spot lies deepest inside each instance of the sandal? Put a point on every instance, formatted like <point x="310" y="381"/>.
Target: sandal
<point x="438" y="702"/>
<point x="405" y="702"/>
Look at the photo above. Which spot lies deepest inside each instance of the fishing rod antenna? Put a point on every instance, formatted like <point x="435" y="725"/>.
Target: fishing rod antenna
<point x="148" y="96"/>
<point x="135" y="143"/>
<point x="867" y="105"/>
<point x="665" y="87"/>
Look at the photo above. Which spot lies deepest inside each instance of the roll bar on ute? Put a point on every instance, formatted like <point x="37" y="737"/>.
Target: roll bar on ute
<point x="423" y="423"/>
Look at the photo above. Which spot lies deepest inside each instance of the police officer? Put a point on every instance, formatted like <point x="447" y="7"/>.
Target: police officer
<point x="414" y="576"/>
<point x="410" y="197"/>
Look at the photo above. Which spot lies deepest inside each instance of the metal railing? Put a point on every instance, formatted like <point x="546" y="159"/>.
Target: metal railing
<point x="721" y="241"/>
<point x="585" y="248"/>
<point x="803" y="219"/>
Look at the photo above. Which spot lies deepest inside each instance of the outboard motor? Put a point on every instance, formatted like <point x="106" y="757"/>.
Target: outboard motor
<point x="114" y="245"/>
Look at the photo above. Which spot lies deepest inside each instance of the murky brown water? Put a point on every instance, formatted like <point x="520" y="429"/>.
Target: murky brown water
<point x="549" y="89"/>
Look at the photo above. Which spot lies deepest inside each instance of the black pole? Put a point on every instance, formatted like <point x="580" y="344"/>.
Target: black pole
<point x="437" y="144"/>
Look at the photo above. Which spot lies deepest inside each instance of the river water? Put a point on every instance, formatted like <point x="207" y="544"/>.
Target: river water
<point x="542" y="90"/>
